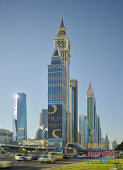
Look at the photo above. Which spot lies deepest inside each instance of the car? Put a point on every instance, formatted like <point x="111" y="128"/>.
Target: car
<point x="56" y="155"/>
<point x="81" y="156"/>
<point x="5" y="164"/>
<point x="35" y="157"/>
<point x="19" y="157"/>
<point x="66" y="156"/>
<point x="59" y="156"/>
<point x="2" y="156"/>
<point x="27" y="157"/>
<point x="46" y="159"/>
<point x="11" y="156"/>
<point x="70" y="156"/>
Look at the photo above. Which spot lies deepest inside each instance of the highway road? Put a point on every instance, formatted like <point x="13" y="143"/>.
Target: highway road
<point x="36" y="165"/>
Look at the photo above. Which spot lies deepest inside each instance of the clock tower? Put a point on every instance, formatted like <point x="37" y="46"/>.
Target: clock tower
<point x="61" y="39"/>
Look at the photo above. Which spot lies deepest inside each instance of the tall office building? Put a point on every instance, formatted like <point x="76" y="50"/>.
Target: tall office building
<point x="114" y="145"/>
<point x="74" y="115"/>
<point x="83" y="130"/>
<point x="56" y="98"/>
<point x="100" y="135"/>
<point x="91" y="114"/>
<point x="61" y="39"/>
<point x="103" y="143"/>
<point x="40" y="133"/>
<point x="96" y="127"/>
<point x="43" y="121"/>
<point x="20" y="118"/>
<point x="6" y="136"/>
<point x="99" y="131"/>
<point x="106" y="142"/>
<point x="79" y="137"/>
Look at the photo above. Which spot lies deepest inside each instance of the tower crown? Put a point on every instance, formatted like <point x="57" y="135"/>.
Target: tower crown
<point x="90" y="91"/>
<point x="56" y="52"/>
<point x="56" y="56"/>
<point x="63" y="42"/>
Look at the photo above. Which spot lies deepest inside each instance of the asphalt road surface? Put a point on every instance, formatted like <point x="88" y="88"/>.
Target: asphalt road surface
<point x="36" y="165"/>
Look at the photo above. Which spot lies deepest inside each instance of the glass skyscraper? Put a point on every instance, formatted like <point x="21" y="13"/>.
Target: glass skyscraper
<point x="43" y="118"/>
<point x="20" y="118"/>
<point x="42" y="132"/>
<point x="56" y="98"/>
<point x="94" y="127"/>
<point x="91" y="114"/>
<point x="83" y="130"/>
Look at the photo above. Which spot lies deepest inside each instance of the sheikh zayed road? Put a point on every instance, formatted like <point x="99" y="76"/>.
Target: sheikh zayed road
<point x="58" y="136"/>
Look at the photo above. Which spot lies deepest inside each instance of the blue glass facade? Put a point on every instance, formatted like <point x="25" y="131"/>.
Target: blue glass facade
<point x="56" y="98"/>
<point x="20" y="118"/>
<point x="43" y="118"/>
<point x="91" y="118"/>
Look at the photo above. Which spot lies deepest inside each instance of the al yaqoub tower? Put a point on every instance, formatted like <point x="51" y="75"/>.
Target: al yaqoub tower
<point x="61" y="39"/>
<point x="91" y="114"/>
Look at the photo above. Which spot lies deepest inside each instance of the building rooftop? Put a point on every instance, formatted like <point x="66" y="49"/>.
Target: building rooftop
<point x="90" y="91"/>
<point x="5" y="131"/>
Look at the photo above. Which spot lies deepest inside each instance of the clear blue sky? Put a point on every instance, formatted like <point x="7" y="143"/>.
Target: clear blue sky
<point x="95" y="29"/>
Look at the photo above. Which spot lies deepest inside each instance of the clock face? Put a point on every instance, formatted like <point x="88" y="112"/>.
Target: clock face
<point x="61" y="44"/>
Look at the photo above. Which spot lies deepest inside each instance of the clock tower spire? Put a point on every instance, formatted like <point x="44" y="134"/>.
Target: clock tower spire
<point x="62" y="29"/>
<point x="62" y="23"/>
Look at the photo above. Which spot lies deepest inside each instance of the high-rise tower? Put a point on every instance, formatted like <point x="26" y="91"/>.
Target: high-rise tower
<point x="83" y="130"/>
<point x="61" y="39"/>
<point x="74" y="115"/>
<point x="43" y="118"/>
<point x="56" y="98"/>
<point x="106" y="142"/>
<point x="91" y="114"/>
<point x="99" y="130"/>
<point x="42" y="132"/>
<point x="20" y="118"/>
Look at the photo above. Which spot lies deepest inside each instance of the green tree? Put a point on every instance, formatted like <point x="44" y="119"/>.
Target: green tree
<point x="120" y="146"/>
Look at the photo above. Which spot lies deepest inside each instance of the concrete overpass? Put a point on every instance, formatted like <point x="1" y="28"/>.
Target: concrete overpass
<point x="17" y="148"/>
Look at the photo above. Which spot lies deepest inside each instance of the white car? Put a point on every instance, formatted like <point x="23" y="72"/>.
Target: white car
<point x="56" y="155"/>
<point x="81" y="156"/>
<point x="70" y="156"/>
<point x="19" y="157"/>
<point x="27" y="157"/>
<point x="46" y="159"/>
<point x="5" y="164"/>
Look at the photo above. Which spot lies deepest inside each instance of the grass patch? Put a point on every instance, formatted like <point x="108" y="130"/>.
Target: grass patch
<point x="90" y="166"/>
